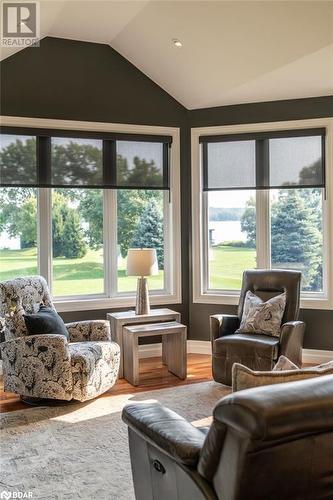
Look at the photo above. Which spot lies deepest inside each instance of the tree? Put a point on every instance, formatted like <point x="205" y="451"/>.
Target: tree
<point x="131" y="204"/>
<point x="295" y="238"/>
<point x="67" y="234"/>
<point x="74" y="246"/>
<point x="149" y="233"/>
<point x="18" y="161"/>
<point x="91" y="211"/>
<point x="309" y="175"/>
<point x="144" y="172"/>
<point x="19" y="218"/>
<point x="248" y="222"/>
<point x="73" y="161"/>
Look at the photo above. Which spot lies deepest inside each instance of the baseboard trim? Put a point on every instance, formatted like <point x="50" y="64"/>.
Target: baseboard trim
<point x="199" y="346"/>
<point x="204" y="347"/>
<point x="317" y="356"/>
<point x="150" y="350"/>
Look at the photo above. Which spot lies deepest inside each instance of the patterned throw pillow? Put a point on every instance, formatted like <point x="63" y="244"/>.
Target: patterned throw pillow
<point x="262" y="317"/>
<point x="284" y="363"/>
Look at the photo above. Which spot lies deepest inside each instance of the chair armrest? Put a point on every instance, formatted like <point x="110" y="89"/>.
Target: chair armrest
<point x="93" y="330"/>
<point x="38" y="366"/>
<point x="280" y="411"/>
<point x="166" y="430"/>
<point x="291" y="341"/>
<point x="223" y="324"/>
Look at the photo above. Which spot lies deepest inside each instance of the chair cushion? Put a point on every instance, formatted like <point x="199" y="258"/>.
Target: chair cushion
<point x="244" y="345"/>
<point x="45" y="321"/>
<point x="95" y="367"/>
<point x="262" y="317"/>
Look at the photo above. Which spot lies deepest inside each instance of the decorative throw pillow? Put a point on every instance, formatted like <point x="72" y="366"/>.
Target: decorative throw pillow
<point x="245" y="378"/>
<point x="284" y="363"/>
<point x="262" y="317"/>
<point x="45" y="321"/>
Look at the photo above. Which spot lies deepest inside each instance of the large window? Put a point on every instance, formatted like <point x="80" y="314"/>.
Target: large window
<point x="264" y="201"/>
<point x="72" y="204"/>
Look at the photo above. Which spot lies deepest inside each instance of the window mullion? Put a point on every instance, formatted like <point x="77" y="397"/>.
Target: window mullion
<point x="45" y="234"/>
<point x="110" y="242"/>
<point x="167" y="238"/>
<point x="263" y="229"/>
<point x="205" y="243"/>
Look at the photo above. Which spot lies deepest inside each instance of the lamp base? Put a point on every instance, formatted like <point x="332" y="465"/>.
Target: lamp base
<point x="142" y="297"/>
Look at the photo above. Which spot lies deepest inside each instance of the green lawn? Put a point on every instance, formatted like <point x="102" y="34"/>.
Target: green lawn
<point x="226" y="266"/>
<point x="85" y="276"/>
<point x="70" y="276"/>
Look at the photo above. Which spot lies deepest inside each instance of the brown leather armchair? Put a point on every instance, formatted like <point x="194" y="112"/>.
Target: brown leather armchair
<point x="258" y="352"/>
<point x="268" y="443"/>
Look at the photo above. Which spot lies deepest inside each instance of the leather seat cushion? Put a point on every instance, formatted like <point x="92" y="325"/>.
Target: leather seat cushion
<point x="244" y="345"/>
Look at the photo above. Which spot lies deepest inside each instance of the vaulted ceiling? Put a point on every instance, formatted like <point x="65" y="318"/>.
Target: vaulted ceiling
<point x="233" y="51"/>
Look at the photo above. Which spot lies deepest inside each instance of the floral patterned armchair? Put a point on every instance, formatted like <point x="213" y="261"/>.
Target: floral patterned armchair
<point x="49" y="366"/>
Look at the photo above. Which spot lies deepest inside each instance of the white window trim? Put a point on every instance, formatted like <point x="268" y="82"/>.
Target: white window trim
<point x="200" y="293"/>
<point x="173" y="243"/>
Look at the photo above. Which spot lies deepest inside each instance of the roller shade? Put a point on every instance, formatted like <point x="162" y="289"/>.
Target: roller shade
<point x="272" y="160"/>
<point x="45" y="158"/>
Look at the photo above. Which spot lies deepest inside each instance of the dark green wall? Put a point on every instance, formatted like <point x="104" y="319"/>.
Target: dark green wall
<point x="319" y="324"/>
<point x="73" y="80"/>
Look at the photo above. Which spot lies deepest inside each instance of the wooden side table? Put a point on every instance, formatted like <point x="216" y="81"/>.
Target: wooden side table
<point x="120" y="319"/>
<point x="173" y="348"/>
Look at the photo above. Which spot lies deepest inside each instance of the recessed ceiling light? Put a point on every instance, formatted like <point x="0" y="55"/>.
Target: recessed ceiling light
<point x="177" y="43"/>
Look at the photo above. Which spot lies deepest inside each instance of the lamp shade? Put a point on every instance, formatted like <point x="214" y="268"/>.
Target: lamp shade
<point x="142" y="262"/>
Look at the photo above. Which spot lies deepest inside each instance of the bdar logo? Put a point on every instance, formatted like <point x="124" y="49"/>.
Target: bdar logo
<point x="6" y="495"/>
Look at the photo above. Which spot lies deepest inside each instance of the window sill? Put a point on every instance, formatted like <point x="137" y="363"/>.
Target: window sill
<point x="233" y="299"/>
<point x="89" y="304"/>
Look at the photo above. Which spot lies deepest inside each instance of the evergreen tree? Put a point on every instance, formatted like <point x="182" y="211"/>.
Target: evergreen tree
<point x="149" y="233"/>
<point x="131" y="205"/>
<point x="296" y="240"/>
<point x="74" y="246"/>
<point x="67" y="234"/>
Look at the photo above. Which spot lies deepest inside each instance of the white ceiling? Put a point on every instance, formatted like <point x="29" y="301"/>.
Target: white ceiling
<point x="233" y="51"/>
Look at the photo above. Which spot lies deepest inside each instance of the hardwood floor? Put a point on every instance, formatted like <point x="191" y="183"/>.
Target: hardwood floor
<point x="153" y="375"/>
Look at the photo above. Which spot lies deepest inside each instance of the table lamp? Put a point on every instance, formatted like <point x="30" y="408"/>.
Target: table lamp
<point x="142" y="262"/>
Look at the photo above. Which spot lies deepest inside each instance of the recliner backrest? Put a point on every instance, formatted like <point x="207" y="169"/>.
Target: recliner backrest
<point x="18" y="297"/>
<point x="267" y="283"/>
<point x="272" y="442"/>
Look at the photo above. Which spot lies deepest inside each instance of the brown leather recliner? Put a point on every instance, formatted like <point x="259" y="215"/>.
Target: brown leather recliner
<point x="268" y="443"/>
<point x="258" y="352"/>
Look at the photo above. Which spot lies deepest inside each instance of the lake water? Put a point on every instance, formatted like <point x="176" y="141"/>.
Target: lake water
<point x="226" y="231"/>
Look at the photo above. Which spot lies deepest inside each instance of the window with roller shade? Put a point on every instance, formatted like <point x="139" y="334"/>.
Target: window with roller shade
<point x="281" y="172"/>
<point x="78" y="175"/>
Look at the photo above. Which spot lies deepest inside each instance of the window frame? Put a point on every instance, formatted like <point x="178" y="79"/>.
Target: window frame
<point x="201" y="294"/>
<point x="171" y="294"/>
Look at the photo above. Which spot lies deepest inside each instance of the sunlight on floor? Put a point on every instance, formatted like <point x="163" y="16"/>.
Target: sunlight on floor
<point x="100" y="408"/>
<point x="203" y="422"/>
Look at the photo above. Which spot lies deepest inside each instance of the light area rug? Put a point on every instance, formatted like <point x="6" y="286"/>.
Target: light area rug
<point x="81" y="451"/>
